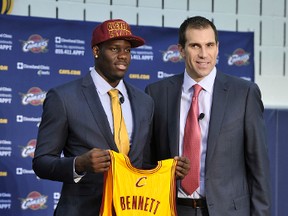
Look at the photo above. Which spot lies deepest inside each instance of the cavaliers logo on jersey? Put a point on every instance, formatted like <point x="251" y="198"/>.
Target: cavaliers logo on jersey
<point x="141" y="181"/>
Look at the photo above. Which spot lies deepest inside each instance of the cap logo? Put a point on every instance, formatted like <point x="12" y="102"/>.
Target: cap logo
<point x="116" y="29"/>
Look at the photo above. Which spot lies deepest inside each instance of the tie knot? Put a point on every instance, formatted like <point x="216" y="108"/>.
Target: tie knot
<point x="113" y="93"/>
<point x="197" y="88"/>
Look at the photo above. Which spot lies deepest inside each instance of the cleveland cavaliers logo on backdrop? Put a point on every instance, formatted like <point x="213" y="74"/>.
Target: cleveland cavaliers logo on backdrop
<point x="34" y="201"/>
<point x="239" y="58"/>
<point x="35" y="96"/>
<point x="172" y="54"/>
<point x="35" y="44"/>
<point x="29" y="149"/>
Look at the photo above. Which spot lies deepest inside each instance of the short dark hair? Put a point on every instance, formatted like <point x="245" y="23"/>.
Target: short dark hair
<point x="196" y="22"/>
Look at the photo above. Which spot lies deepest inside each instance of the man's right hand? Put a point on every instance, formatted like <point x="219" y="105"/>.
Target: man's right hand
<point x="95" y="160"/>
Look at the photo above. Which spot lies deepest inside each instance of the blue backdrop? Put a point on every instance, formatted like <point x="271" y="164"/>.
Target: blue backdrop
<point x="38" y="53"/>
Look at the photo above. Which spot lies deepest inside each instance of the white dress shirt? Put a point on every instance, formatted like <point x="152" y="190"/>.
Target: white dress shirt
<point x="102" y="88"/>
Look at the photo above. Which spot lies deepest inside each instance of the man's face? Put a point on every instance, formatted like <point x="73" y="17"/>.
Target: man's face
<point x="113" y="60"/>
<point x="200" y="52"/>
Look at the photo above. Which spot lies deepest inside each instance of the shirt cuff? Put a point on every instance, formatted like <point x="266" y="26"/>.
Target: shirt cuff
<point x="76" y="176"/>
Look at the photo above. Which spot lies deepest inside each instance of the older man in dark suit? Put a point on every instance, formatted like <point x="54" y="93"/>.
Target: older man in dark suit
<point x="232" y="177"/>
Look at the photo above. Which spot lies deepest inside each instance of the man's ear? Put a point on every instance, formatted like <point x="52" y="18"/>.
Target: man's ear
<point x="95" y="50"/>
<point x="181" y="50"/>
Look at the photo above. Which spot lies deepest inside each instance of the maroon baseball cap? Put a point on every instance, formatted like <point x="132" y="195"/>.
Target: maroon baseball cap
<point x="116" y="29"/>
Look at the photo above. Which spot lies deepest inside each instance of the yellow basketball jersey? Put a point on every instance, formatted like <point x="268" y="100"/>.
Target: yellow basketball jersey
<point x="129" y="191"/>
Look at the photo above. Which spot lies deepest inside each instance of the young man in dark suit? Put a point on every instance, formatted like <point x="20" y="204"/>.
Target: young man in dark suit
<point x="77" y="120"/>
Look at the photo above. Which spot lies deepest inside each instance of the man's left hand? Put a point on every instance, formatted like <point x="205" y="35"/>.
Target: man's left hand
<point x="182" y="167"/>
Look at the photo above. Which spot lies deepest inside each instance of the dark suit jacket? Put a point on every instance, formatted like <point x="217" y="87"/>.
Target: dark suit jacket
<point x="74" y="121"/>
<point x="237" y="166"/>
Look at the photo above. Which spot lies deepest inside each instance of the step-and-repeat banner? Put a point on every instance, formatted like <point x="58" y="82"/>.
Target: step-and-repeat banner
<point x="39" y="53"/>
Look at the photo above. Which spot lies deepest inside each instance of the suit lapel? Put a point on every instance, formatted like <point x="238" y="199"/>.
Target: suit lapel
<point x="173" y="103"/>
<point x="135" y="113"/>
<point x="93" y="101"/>
<point x="220" y="94"/>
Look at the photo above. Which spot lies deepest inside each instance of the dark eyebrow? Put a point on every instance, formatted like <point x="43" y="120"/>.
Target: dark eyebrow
<point x="198" y="44"/>
<point x="193" y="44"/>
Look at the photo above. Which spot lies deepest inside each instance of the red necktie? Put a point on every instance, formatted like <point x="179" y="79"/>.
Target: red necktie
<point x="191" y="144"/>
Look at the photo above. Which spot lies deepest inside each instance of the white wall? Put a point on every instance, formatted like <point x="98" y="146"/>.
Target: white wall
<point x="266" y="18"/>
